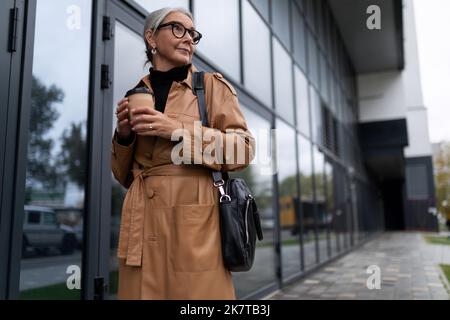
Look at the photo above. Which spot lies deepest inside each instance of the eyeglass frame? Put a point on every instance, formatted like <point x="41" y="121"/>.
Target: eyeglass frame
<point x="173" y="23"/>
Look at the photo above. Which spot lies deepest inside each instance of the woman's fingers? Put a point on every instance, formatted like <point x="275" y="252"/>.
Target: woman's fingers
<point x="122" y="105"/>
<point x="122" y="115"/>
<point x="142" y="119"/>
<point x="123" y="123"/>
<point x="144" y="127"/>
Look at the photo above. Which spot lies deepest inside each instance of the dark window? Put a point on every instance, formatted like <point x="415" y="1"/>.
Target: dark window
<point x="34" y="217"/>
<point x="417" y="182"/>
<point x="299" y="38"/>
<point x="280" y="21"/>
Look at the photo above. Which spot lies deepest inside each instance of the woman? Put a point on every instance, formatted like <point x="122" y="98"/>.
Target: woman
<point x="169" y="244"/>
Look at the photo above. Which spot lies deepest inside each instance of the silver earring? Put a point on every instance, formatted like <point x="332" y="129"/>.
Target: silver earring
<point x="154" y="50"/>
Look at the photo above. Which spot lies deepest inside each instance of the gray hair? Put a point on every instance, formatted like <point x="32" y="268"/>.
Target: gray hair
<point x="154" y="19"/>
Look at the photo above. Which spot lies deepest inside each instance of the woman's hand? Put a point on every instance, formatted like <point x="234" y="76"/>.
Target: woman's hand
<point x="150" y="122"/>
<point x="123" y="124"/>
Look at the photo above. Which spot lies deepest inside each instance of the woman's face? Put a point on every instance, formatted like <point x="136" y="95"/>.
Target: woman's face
<point x="171" y="51"/>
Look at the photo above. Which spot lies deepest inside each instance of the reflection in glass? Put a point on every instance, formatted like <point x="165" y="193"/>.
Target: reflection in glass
<point x="299" y="37"/>
<point x="284" y="103"/>
<point x="257" y="74"/>
<point x="313" y="64"/>
<point x="129" y="58"/>
<point x="280" y="21"/>
<point x="220" y="29"/>
<point x="152" y="5"/>
<point x="56" y="160"/>
<point x="307" y="201"/>
<point x="263" y="7"/>
<point x="288" y="197"/>
<point x="301" y="102"/>
<point x="322" y="217"/>
<point x="260" y="183"/>
<point x="316" y="116"/>
<point x="324" y="79"/>
<point x="330" y="207"/>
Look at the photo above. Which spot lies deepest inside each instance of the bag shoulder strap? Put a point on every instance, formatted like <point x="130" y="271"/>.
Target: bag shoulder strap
<point x="198" y="88"/>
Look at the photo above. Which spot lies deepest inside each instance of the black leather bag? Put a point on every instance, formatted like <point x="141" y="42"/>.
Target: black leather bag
<point x="240" y="223"/>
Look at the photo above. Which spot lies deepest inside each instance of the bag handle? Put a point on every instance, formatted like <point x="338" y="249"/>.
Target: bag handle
<point x="199" y="90"/>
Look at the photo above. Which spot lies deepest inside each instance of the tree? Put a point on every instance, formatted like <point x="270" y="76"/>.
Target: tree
<point x="72" y="157"/>
<point x="40" y="167"/>
<point x="442" y="179"/>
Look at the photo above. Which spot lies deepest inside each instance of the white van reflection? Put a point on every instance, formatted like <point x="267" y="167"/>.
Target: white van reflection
<point x="42" y="231"/>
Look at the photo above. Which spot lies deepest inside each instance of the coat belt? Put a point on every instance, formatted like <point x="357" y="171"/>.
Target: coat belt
<point x="131" y="235"/>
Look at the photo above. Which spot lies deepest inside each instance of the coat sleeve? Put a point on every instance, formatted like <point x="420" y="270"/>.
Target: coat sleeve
<point x="122" y="161"/>
<point x="228" y="145"/>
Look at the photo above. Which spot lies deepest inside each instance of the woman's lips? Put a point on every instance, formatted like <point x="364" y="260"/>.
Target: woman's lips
<point x="184" y="50"/>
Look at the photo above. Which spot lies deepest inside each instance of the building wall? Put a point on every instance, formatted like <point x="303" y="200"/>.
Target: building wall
<point x="290" y="66"/>
<point x="394" y="95"/>
<point x="381" y="96"/>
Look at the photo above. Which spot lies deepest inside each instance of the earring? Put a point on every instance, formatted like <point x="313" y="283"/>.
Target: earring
<point x="154" y="50"/>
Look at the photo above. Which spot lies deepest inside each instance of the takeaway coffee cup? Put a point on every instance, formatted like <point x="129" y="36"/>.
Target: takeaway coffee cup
<point x="139" y="97"/>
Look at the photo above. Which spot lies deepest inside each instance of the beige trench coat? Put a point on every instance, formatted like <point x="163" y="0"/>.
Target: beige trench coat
<point x="169" y="243"/>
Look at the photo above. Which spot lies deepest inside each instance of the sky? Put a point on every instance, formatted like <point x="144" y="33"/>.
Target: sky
<point x="433" y="27"/>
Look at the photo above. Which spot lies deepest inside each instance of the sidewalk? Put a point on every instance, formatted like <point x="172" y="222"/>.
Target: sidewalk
<point x="409" y="270"/>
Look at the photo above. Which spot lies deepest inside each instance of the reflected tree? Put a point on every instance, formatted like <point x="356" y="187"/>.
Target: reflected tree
<point x="40" y="167"/>
<point x="72" y="158"/>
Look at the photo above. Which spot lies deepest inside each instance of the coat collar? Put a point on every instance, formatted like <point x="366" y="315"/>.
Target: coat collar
<point x="188" y="81"/>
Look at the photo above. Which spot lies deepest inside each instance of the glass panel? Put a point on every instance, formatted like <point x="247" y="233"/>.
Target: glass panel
<point x="287" y="184"/>
<point x="56" y="161"/>
<point x="219" y="29"/>
<point x="301" y="101"/>
<point x="152" y="5"/>
<point x="316" y="115"/>
<point x="259" y="180"/>
<point x="300" y="4"/>
<point x="263" y="7"/>
<point x="313" y="69"/>
<point x="299" y="38"/>
<point x="310" y="14"/>
<point x="256" y="46"/>
<point x="320" y="22"/>
<point x="322" y="218"/>
<point x="307" y="201"/>
<point x="324" y="78"/>
<point x="330" y="206"/>
<point x="284" y="103"/>
<point x="280" y="21"/>
<point x="129" y="58"/>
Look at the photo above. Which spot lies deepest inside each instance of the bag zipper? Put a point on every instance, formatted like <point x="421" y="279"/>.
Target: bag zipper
<point x="249" y="198"/>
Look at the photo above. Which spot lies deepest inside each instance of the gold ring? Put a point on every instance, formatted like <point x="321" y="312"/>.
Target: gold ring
<point x="150" y="126"/>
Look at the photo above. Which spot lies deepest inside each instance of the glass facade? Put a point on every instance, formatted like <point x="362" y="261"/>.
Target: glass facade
<point x="294" y="76"/>
<point x="52" y="236"/>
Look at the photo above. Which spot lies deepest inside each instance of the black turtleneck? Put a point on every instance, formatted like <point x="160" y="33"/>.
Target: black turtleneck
<point x="161" y="82"/>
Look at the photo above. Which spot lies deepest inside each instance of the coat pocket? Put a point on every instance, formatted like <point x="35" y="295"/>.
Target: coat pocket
<point x="195" y="238"/>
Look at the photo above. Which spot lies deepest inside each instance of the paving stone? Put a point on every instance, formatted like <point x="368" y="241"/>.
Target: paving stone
<point x="409" y="270"/>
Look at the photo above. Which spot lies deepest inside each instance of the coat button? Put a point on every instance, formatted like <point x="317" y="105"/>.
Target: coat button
<point x="150" y="193"/>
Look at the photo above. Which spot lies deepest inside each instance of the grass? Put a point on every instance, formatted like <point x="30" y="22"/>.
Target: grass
<point x="446" y="269"/>
<point x="437" y="240"/>
<point x="60" y="291"/>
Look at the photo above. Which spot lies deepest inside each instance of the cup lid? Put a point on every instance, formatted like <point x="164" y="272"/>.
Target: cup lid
<point x="138" y="90"/>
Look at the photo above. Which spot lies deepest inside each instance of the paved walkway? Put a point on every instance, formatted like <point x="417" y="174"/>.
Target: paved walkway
<point x="409" y="269"/>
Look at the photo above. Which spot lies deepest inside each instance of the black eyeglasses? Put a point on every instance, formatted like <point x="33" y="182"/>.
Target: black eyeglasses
<point x="179" y="31"/>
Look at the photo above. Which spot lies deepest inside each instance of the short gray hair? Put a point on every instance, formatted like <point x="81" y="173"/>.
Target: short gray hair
<point x="155" y="18"/>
